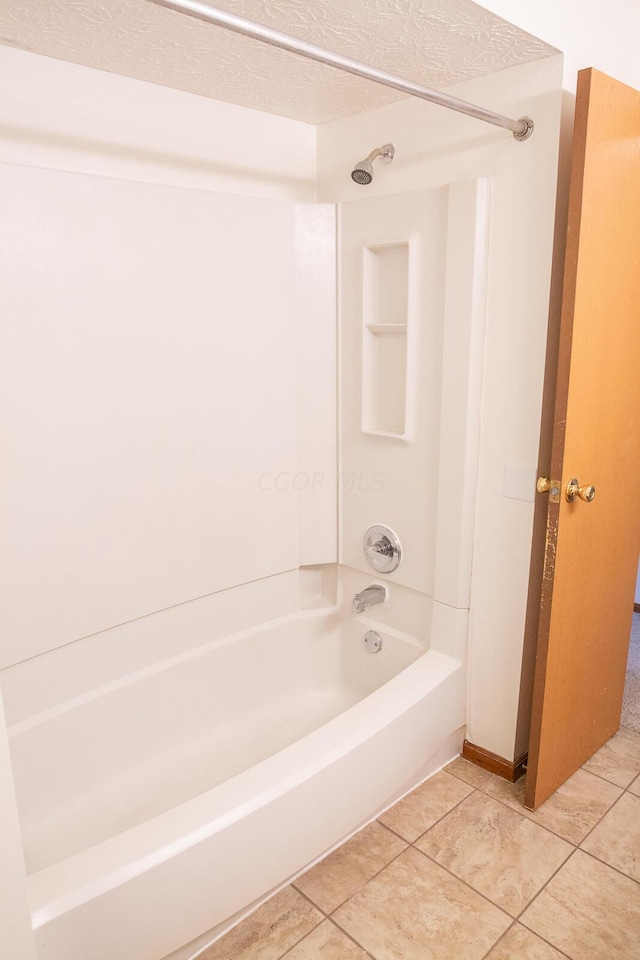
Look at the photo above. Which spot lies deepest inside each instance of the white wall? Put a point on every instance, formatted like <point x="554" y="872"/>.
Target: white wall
<point x="435" y="146"/>
<point x="66" y="117"/>
<point x="590" y="33"/>
<point x="140" y="413"/>
<point x="151" y="349"/>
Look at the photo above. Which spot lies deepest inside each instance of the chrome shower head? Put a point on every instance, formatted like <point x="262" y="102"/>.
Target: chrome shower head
<point x="362" y="173"/>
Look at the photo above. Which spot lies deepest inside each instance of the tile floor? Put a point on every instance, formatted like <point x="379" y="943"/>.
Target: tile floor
<point x="459" y="870"/>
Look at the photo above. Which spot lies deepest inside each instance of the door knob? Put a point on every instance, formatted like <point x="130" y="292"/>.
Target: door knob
<point x="586" y="493"/>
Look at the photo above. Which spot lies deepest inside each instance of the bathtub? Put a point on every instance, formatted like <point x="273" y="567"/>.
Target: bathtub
<point x="159" y="805"/>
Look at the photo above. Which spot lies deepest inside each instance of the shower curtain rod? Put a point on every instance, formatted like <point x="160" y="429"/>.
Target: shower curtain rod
<point x="521" y="128"/>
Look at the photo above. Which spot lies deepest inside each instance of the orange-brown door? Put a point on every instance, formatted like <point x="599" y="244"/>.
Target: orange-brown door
<point x="591" y="549"/>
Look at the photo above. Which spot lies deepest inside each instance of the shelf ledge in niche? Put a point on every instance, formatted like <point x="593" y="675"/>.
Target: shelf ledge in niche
<point x="387" y="328"/>
<point x="371" y="431"/>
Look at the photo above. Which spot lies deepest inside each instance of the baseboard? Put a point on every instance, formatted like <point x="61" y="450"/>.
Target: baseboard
<point x="636" y="608"/>
<point x="510" y="770"/>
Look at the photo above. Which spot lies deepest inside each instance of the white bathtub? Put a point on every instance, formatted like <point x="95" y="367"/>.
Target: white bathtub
<point x="159" y="805"/>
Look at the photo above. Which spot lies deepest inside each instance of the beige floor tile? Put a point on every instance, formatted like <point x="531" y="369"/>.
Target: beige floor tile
<point x="421" y="808"/>
<point x="269" y="932"/>
<point x="635" y="787"/>
<point x="496" y="850"/>
<point x="415" y="910"/>
<point x="571" y="812"/>
<point x="326" y="942"/>
<point x="519" y="943"/>
<point x="588" y="911"/>
<point x="470" y="772"/>
<point x="349" y="867"/>
<point x="616" y="839"/>
<point x="618" y="760"/>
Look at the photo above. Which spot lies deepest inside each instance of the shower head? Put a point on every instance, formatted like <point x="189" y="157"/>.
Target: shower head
<point x="363" y="171"/>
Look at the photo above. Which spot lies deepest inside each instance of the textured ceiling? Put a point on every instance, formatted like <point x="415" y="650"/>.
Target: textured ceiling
<point x="434" y="42"/>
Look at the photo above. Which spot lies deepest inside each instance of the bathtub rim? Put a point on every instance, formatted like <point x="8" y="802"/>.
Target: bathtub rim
<point x="63" y="886"/>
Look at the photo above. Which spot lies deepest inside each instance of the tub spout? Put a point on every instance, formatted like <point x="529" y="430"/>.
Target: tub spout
<point x="369" y="597"/>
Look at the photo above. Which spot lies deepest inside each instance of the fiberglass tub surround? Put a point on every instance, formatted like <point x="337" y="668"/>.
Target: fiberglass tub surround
<point x="222" y="745"/>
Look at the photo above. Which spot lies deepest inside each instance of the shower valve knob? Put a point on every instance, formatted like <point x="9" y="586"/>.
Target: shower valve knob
<point x="382" y="548"/>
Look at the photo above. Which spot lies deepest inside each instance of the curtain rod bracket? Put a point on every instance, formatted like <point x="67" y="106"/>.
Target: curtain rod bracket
<point x="525" y="128"/>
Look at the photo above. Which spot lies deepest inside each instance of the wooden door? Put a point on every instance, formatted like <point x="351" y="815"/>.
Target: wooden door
<point x="591" y="551"/>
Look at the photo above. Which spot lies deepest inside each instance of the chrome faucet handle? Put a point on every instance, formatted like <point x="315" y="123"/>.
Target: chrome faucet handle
<point x="382" y="548"/>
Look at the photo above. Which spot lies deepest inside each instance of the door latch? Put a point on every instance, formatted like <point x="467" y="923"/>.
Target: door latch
<point x="544" y="484"/>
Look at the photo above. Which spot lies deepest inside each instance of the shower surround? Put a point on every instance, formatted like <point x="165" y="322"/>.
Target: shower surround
<point x="219" y="745"/>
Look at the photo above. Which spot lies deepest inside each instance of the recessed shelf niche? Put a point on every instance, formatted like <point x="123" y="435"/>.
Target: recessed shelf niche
<point x="385" y="299"/>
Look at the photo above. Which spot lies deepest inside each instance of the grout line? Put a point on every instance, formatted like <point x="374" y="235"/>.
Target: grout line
<point x="525" y="817"/>
<point x="460" y="879"/>
<point x="294" y="945"/>
<point x="339" y="927"/>
<point x="499" y="940"/>
<point x="553" y="832"/>
<point x="332" y="917"/>
<point x="303" y="894"/>
<point x="530" y="819"/>
<point x="337" y="923"/>
<point x="586" y="837"/>
<point x="478" y="891"/>
<point x="593" y="856"/>
<point x="545" y="885"/>
<point x="353" y="939"/>
<point x="544" y="940"/>
<point x="495" y="777"/>
<point x="313" y="903"/>
<point x="372" y="877"/>
<point x="407" y="843"/>
<point x="576" y="847"/>
<point x="452" y="773"/>
<point x="464" y="883"/>
<point x="430" y="827"/>
<point x="606" y="780"/>
<point x="395" y="833"/>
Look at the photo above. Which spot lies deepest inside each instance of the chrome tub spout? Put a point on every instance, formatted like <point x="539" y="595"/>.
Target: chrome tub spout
<point x="369" y="597"/>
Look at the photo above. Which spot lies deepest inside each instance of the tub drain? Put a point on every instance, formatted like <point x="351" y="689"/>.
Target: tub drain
<point x="373" y="641"/>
